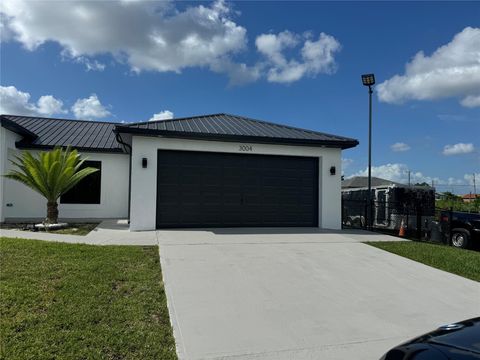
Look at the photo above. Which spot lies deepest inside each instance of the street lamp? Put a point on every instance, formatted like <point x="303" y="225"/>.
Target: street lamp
<point x="369" y="80"/>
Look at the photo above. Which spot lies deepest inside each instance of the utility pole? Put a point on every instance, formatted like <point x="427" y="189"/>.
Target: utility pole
<point x="474" y="187"/>
<point x="409" y="178"/>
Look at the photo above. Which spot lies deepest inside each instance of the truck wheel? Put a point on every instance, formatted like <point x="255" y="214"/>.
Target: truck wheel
<point x="460" y="238"/>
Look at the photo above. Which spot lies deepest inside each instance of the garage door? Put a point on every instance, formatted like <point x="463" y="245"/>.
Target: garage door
<point x="204" y="189"/>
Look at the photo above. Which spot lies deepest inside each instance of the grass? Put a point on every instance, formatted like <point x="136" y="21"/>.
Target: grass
<point x="462" y="262"/>
<point x="72" y="301"/>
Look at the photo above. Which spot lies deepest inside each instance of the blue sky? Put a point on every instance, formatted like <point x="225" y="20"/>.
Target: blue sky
<point x="126" y="61"/>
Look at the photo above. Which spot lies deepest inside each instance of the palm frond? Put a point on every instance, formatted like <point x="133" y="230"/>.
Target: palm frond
<point x="51" y="173"/>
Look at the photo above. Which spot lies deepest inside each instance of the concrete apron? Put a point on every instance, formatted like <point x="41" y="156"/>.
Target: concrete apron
<point x="237" y="294"/>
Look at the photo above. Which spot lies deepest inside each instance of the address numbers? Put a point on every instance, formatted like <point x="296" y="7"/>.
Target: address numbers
<point x="245" y="148"/>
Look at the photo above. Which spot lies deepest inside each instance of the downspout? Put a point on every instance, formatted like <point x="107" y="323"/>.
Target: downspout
<point x="125" y="145"/>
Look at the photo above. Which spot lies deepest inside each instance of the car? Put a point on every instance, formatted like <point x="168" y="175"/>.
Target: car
<point x="464" y="228"/>
<point x="458" y="341"/>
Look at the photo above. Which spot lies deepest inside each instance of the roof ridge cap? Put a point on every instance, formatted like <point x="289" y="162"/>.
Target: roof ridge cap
<point x="174" y="119"/>
<point x="290" y="127"/>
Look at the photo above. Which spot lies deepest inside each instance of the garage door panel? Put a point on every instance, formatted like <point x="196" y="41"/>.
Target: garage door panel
<point x="231" y="217"/>
<point x="212" y="199"/>
<point x="201" y="189"/>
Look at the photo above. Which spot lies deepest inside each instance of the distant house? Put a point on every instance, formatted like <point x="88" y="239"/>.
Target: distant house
<point x="468" y="198"/>
<point x="357" y="182"/>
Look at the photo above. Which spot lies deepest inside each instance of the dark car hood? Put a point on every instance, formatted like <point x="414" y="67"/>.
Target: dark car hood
<point x="464" y="335"/>
<point x="459" y="341"/>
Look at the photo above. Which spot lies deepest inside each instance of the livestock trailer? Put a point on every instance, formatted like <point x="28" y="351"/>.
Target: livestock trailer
<point x="391" y="204"/>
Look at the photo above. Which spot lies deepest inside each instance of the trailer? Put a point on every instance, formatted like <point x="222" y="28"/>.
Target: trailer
<point x="392" y="205"/>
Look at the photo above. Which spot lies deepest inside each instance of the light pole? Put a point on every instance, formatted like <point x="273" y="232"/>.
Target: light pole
<point x="369" y="80"/>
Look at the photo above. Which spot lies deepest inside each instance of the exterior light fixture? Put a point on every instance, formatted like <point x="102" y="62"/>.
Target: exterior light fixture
<point x="333" y="170"/>
<point x="369" y="80"/>
<point x="144" y="163"/>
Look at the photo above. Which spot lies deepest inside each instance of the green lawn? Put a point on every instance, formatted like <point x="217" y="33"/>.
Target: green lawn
<point x="462" y="262"/>
<point x="68" y="301"/>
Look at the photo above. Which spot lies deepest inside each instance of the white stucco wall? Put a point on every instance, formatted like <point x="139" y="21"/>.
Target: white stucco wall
<point x="144" y="181"/>
<point x="3" y="158"/>
<point x="25" y="203"/>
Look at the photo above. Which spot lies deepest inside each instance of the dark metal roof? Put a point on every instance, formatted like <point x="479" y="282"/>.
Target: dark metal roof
<point x="226" y="127"/>
<point x="45" y="133"/>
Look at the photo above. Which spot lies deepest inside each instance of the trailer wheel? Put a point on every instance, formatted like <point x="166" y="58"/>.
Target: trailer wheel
<point x="460" y="238"/>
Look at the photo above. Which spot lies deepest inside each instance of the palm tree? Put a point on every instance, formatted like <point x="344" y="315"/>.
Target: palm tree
<point x="51" y="173"/>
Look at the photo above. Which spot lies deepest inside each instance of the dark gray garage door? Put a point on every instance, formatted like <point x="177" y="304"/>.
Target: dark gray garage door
<point x="203" y="189"/>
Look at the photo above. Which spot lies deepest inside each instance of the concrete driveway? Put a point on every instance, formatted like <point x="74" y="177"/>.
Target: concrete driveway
<point x="301" y="294"/>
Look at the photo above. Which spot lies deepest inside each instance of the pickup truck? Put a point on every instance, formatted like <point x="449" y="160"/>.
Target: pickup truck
<point x="464" y="228"/>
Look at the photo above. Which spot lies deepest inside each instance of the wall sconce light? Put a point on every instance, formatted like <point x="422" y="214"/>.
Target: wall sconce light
<point x="333" y="170"/>
<point x="144" y="163"/>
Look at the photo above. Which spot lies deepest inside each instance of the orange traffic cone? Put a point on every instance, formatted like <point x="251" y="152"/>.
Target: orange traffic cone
<point x="401" y="233"/>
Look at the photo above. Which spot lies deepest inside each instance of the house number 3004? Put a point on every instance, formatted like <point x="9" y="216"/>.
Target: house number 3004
<point x="245" y="148"/>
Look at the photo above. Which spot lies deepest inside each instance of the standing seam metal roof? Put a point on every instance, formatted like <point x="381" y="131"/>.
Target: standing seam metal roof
<point x="224" y="126"/>
<point x="49" y="132"/>
<point x="101" y="136"/>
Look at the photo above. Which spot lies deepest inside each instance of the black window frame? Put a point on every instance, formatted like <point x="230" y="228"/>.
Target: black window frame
<point x="89" y="190"/>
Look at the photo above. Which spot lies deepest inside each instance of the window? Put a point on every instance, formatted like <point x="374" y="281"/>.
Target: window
<point x="88" y="190"/>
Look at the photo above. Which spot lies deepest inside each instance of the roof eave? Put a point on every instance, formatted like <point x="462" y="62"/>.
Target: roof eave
<point x="343" y="144"/>
<point x="18" y="129"/>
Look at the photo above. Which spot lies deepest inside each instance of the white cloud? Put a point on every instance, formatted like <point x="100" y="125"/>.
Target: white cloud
<point x="144" y="34"/>
<point x="238" y="73"/>
<point x="162" y="115"/>
<point x="399" y="173"/>
<point x="89" y="108"/>
<point x="90" y="65"/>
<point x="48" y="105"/>
<point x="456" y="149"/>
<point x="316" y="56"/>
<point x="469" y="179"/>
<point x="395" y="172"/>
<point x="160" y="37"/>
<point x="16" y="102"/>
<point x="400" y="147"/>
<point x="453" y="70"/>
<point x="471" y="101"/>
<point x="346" y="163"/>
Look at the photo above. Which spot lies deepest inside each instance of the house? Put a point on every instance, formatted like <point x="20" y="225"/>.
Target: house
<point x="216" y="170"/>
<point x="356" y="182"/>
<point x="440" y="196"/>
<point x="468" y="198"/>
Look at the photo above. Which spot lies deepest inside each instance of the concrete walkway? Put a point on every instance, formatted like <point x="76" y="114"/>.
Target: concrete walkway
<point x="301" y="294"/>
<point x="108" y="232"/>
